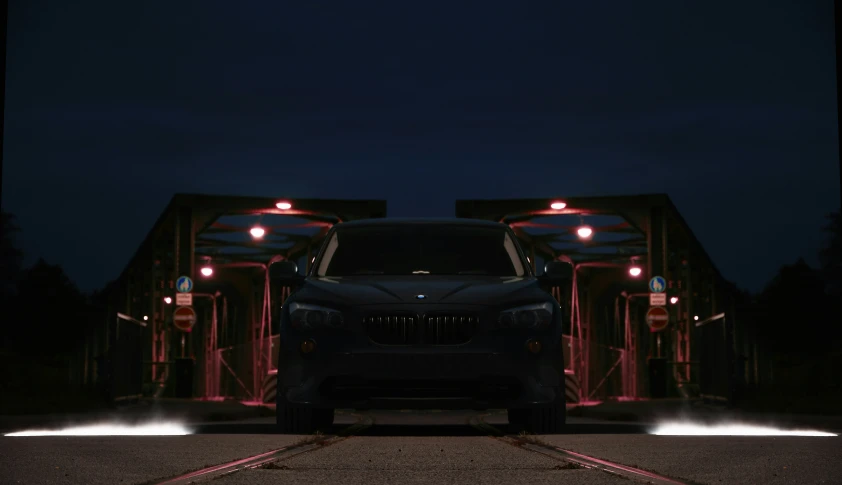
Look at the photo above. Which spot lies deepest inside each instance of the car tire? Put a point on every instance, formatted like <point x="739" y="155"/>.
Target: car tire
<point x="542" y="420"/>
<point x="291" y="419"/>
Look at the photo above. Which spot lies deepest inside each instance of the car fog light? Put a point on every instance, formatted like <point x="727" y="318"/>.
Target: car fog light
<point x="308" y="346"/>
<point x="533" y="346"/>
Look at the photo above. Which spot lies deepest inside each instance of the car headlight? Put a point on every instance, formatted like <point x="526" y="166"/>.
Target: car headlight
<point x="312" y="317"/>
<point x="538" y="315"/>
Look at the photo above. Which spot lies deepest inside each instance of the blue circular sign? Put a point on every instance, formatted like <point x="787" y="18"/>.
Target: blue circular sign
<point x="184" y="284"/>
<point x="658" y="284"/>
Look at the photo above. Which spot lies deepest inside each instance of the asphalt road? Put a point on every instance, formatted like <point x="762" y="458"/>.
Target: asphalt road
<point x="423" y="447"/>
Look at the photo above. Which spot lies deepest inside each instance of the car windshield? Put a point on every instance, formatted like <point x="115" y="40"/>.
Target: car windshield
<point x="421" y="249"/>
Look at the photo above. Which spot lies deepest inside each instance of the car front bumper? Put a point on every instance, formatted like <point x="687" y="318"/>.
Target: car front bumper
<point x="485" y="373"/>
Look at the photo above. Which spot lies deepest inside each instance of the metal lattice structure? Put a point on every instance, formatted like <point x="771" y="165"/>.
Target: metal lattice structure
<point x="236" y="304"/>
<point x="608" y="335"/>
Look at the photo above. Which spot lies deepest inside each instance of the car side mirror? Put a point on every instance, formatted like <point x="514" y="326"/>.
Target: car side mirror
<point x="556" y="272"/>
<point x="285" y="273"/>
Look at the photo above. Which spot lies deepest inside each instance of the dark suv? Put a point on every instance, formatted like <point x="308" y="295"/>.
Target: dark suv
<point x="404" y="313"/>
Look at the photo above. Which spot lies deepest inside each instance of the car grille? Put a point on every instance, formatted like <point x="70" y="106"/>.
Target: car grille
<point x="432" y="329"/>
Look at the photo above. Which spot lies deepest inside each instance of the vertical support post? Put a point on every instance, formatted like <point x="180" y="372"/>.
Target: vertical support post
<point x="657" y="263"/>
<point x="268" y="322"/>
<point x="657" y="248"/>
<point x="264" y="324"/>
<point x="185" y="243"/>
<point x="631" y="352"/>
<point x="154" y="304"/>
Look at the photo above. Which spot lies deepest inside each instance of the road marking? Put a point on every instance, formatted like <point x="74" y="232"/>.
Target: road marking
<point x="535" y="445"/>
<point x="310" y="443"/>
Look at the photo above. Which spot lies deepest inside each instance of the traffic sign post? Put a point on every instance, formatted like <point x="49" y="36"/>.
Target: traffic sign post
<point x="658" y="284"/>
<point x="184" y="299"/>
<point x="184" y="284"/>
<point x="184" y="317"/>
<point x="657" y="299"/>
<point x="657" y="318"/>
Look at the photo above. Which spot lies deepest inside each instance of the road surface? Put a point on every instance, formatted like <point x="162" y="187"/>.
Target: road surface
<point x="420" y="447"/>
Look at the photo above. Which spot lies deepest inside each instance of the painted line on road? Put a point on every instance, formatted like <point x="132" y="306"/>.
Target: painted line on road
<point x="310" y="443"/>
<point x="535" y="445"/>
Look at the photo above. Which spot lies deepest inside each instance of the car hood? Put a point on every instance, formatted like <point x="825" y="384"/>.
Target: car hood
<point x="443" y="290"/>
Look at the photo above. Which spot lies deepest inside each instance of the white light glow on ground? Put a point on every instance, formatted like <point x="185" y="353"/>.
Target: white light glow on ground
<point x="692" y="429"/>
<point x="113" y="429"/>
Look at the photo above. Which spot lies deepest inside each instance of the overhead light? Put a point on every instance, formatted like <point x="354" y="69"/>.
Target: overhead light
<point x="145" y="318"/>
<point x="257" y="232"/>
<point x="696" y="317"/>
<point x="584" y="232"/>
<point x="206" y="271"/>
<point x="558" y="205"/>
<point x="167" y="300"/>
<point x="674" y="300"/>
<point x="635" y="271"/>
<point x="283" y="205"/>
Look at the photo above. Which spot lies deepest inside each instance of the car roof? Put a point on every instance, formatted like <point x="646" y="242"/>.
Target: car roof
<point x="397" y="221"/>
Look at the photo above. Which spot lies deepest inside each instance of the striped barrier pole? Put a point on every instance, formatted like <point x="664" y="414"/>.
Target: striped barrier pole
<point x="270" y="387"/>
<point x="571" y="386"/>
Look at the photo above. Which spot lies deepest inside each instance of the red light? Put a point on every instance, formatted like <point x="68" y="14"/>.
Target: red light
<point x="558" y="205"/>
<point x="283" y="206"/>
<point x="206" y="271"/>
<point x="635" y="271"/>
<point x="257" y="232"/>
<point x="584" y="232"/>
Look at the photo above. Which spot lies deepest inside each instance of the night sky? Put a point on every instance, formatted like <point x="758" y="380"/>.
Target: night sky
<point x="727" y="106"/>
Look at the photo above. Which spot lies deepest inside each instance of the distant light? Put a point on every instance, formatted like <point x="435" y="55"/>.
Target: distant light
<point x="207" y="271"/>
<point x="558" y="205"/>
<point x="145" y="317"/>
<point x="584" y="232"/>
<point x="635" y="271"/>
<point x="257" y="232"/>
<point x="283" y="206"/>
<point x="696" y="317"/>
<point x="674" y="300"/>
<point x="167" y="300"/>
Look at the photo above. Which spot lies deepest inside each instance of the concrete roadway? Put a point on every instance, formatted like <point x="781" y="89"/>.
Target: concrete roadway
<point x="423" y="447"/>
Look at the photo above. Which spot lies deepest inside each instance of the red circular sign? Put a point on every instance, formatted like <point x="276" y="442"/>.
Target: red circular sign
<point x="184" y="317"/>
<point x="657" y="318"/>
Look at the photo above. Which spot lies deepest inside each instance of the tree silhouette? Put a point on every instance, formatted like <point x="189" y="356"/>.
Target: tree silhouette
<point x="51" y="312"/>
<point x="830" y="255"/>
<point x="793" y="311"/>
<point x="11" y="258"/>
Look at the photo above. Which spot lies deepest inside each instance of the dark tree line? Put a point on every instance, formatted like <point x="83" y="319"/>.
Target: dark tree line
<point x="44" y="313"/>
<point x="801" y="308"/>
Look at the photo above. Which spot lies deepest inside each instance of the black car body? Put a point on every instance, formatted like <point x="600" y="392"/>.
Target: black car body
<point x="405" y="313"/>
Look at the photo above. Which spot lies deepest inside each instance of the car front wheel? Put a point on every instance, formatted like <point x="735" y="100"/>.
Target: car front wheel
<point x="542" y="420"/>
<point x="292" y="419"/>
